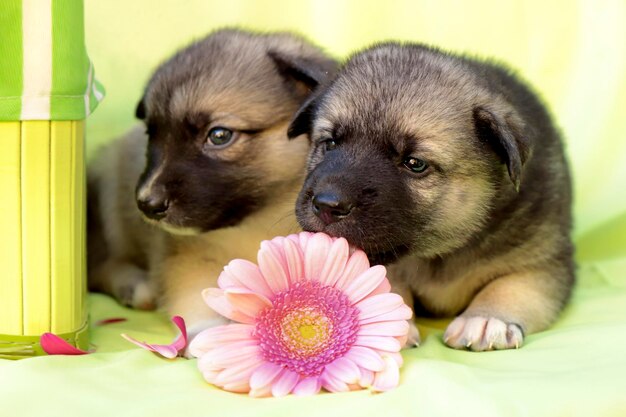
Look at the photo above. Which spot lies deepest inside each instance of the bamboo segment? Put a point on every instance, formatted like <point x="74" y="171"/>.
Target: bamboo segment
<point x="10" y="230"/>
<point x="63" y="275"/>
<point x="36" y="226"/>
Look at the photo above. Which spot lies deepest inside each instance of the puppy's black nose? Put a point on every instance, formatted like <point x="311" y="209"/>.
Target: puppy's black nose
<point x="153" y="207"/>
<point x="330" y="207"/>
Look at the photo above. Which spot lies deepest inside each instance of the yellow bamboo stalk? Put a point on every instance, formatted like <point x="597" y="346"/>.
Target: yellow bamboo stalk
<point x="42" y="247"/>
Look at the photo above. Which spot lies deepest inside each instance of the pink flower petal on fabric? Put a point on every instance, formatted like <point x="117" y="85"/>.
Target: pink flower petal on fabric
<point x="232" y="354"/>
<point x="243" y="273"/>
<point x="333" y="384"/>
<point x="344" y="370"/>
<point x="216" y="299"/>
<point x="246" y="301"/>
<point x="272" y="267"/>
<point x="220" y="335"/>
<point x="54" y="345"/>
<point x="389" y="378"/>
<point x="167" y="351"/>
<point x="367" y="378"/>
<point x="365" y="283"/>
<point x="366" y="358"/>
<point x="307" y="386"/>
<point x="315" y="255"/>
<point x="387" y="328"/>
<point x="388" y="344"/>
<point x="239" y="372"/>
<point x="285" y="382"/>
<point x="335" y="262"/>
<point x="264" y="375"/>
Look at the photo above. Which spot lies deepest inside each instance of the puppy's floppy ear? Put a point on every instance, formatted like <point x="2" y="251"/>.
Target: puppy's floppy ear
<point x="307" y="71"/>
<point x="140" y="110"/>
<point x="302" y="122"/>
<point x="504" y="131"/>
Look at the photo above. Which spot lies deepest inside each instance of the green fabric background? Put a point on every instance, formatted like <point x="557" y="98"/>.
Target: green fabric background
<point x="573" y="52"/>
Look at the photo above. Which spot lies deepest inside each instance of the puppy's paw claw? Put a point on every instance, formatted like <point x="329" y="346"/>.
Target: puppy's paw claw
<point x="413" y="338"/>
<point x="482" y="333"/>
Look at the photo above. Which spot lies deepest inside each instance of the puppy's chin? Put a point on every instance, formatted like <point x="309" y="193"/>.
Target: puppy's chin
<point x="379" y="250"/>
<point x="172" y="228"/>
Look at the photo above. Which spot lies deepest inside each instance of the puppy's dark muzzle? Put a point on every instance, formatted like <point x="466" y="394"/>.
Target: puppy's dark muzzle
<point x="330" y="207"/>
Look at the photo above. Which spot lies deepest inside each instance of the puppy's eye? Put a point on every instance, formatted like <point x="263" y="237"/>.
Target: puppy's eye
<point x="219" y="136"/>
<point x="415" y="164"/>
<point x="329" y="144"/>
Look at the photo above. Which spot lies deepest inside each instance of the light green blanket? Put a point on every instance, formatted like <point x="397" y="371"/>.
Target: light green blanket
<point x="575" y="55"/>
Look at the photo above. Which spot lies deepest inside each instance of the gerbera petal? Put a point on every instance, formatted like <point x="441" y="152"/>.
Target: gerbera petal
<point x="388" y="344"/>
<point x="335" y="263"/>
<point x="387" y="328"/>
<point x="308" y="386"/>
<point x="383" y="288"/>
<point x="344" y="370"/>
<point x="396" y="356"/>
<point x="246" y="301"/>
<point x="403" y="312"/>
<point x="238" y="387"/>
<point x="264" y="375"/>
<point x="366" y="358"/>
<point x="315" y="255"/>
<point x="357" y="264"/>
<point x="365" y="283"/>
<point x="215" y="336"/>
<point x="272" y="267"/>
<point x="389" y="378"/>
<point x="379" y="304"/>
<point x="333" y="384"/>
<point x="367" y="378"/>
<point x="249" y="276"/>
<point x="237" y="373"/>
<point x="216" y="299"/>
<point x="264" y="391"/>
<point x="232" y="354"/>
<point x="294" y="259"/>
<point x="285" y="382"/>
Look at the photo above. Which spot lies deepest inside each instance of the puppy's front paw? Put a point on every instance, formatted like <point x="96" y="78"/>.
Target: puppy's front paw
<point x="482" y="333"/>
<point x="138" y="293"/>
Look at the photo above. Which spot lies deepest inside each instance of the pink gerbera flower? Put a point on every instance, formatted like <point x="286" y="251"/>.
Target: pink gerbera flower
<point x="310" y="315"/>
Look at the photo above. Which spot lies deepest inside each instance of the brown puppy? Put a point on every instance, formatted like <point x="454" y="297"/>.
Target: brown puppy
<point x="450" y="170"/>
<point x="213" y="175"/>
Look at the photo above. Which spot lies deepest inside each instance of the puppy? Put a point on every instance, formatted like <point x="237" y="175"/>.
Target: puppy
<point x="213" y="174"/>
<point x="450" y="170"/>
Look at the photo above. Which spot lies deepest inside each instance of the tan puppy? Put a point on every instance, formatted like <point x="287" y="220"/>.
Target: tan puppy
<point x="220" y="174"/>
<point x="450" y="170"/>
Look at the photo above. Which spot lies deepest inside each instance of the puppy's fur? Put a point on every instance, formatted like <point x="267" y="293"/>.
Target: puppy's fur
<point x="484" y="231"/>
<point x="203" y="203"/>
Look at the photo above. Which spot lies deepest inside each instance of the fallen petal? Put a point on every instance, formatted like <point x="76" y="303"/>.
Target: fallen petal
<point x="54" y="345"/>
<point x="167" y="351"/>
<point x="111" y="320"/>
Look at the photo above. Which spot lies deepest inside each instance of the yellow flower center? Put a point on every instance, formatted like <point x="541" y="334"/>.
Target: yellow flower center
<point x="305" y="331"/>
